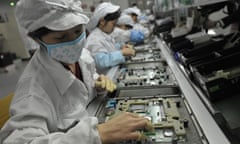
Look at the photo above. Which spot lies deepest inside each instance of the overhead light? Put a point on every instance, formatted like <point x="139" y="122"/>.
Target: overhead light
<point x="12" y="4"/>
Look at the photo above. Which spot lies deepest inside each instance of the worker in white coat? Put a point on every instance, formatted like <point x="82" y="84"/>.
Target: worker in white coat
<point x="135" y="13"/>
<point x="100" y="42"/>
<point x="49" y="106"/>
<point x="124" y="32"/>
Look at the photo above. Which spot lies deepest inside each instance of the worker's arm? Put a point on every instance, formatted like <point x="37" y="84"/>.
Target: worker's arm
<point x="106" y="60"/>
<point x="33" y="122"/>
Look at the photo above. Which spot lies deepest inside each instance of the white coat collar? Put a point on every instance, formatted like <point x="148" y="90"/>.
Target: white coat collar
<point x="61" y="77"/>
<point x="108" y="37"/>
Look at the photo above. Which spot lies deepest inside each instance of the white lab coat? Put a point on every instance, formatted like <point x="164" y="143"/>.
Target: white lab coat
<point x="47" y="101"/>
<point x="100" y="42"/>
<point x="121" y="36"/>
<point x="139" y="27"/>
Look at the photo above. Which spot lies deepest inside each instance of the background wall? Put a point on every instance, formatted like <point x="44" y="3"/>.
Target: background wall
<point x="123" y="3"/>
<point x="13" y="41"/>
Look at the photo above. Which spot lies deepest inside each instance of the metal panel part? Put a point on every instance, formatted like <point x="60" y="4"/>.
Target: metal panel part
<point x="145" y="91"/>
<point x="145" y="75"/>
<point x="170" y="118"/>
<point x="145" y="56"/>
<point x="208" y="125"/>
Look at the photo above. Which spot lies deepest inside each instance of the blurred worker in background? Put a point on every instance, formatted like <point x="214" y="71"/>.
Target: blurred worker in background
<point x="100" y="42"/>
<point x="49" y="105"/>
<point x="124" y="32"/>
<point x="135" y="13"/>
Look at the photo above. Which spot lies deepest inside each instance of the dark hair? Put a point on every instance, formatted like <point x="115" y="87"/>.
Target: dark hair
<point x="134" y="14"/>
<point x="128" y="26"/>
<point x="134" y="4"/>
<point x="112" y="16"/>
<point x="39" y="32"/>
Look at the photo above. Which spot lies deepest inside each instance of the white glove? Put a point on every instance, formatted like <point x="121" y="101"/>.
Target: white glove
<point x="105" y="83"/>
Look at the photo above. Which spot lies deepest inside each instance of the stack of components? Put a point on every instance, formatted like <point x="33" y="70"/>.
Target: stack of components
<point x="211" y="62"/>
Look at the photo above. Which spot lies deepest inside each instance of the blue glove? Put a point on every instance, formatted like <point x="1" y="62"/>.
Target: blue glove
<point x="136" y="36"/>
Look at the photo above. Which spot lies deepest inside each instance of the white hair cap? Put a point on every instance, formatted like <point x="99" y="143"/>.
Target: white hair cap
<point x="56" y="15"/>
<point x="131" y="10"/>
<point x="101" y="11"/>
<point x="125" y="20"/>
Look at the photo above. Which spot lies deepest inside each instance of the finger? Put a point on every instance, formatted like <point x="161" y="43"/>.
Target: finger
<point x="101" y="77"/>
<point x="133" y="52"/>
<point x="98" y="83"/>
<point x="130" y="46"/>
<point x="113" y="86"/>
<point x="108" y="85"/>
<point x="141" y="136"/>
<point x="133" y="115"/>
<point x="149" y="126"/>
<point x="141" y="123"/>
<point x="103" y="82"/>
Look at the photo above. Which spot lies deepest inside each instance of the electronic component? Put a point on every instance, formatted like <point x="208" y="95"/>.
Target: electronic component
<point x="161" y="112"/>
<point x="147" y="74"/>
<point x="172" y="124"/>
<point x="145" y="56"/>
<point x="219" y="84"/>
<point x="146" y="47"/>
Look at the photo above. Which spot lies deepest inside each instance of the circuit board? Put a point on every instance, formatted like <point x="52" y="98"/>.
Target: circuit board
<point x="161" y="112"/>
<point x="145" y="56"/>
<point x="146" y="47"/>
<point x="142" y="75"/>
<point x="171" y="121"/>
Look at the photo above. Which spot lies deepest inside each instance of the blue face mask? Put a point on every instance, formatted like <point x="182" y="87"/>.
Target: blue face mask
<point x="67" y="52"/>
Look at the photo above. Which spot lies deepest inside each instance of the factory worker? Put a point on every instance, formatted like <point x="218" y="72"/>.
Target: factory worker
<point x="100" y="42"/>
<point x="134" y="12"/>
<point x="124" y="33"/>
<point x="49" y="105"/>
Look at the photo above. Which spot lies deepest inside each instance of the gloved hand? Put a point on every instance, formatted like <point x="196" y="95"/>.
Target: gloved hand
<point x="128" y="50"/>
<point x="136" y="36"/>
<point x="105" y="83"/>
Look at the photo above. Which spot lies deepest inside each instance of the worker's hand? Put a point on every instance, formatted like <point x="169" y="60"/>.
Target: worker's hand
<point x="128" y="50"/>
<point x="123" y="127"/>
<point x="105" y="83"/>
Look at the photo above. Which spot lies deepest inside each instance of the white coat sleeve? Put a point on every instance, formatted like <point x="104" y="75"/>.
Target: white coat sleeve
<point x="142" y="29"/>
<point x="31" y="125"/>
<point x="89" y="60"/>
